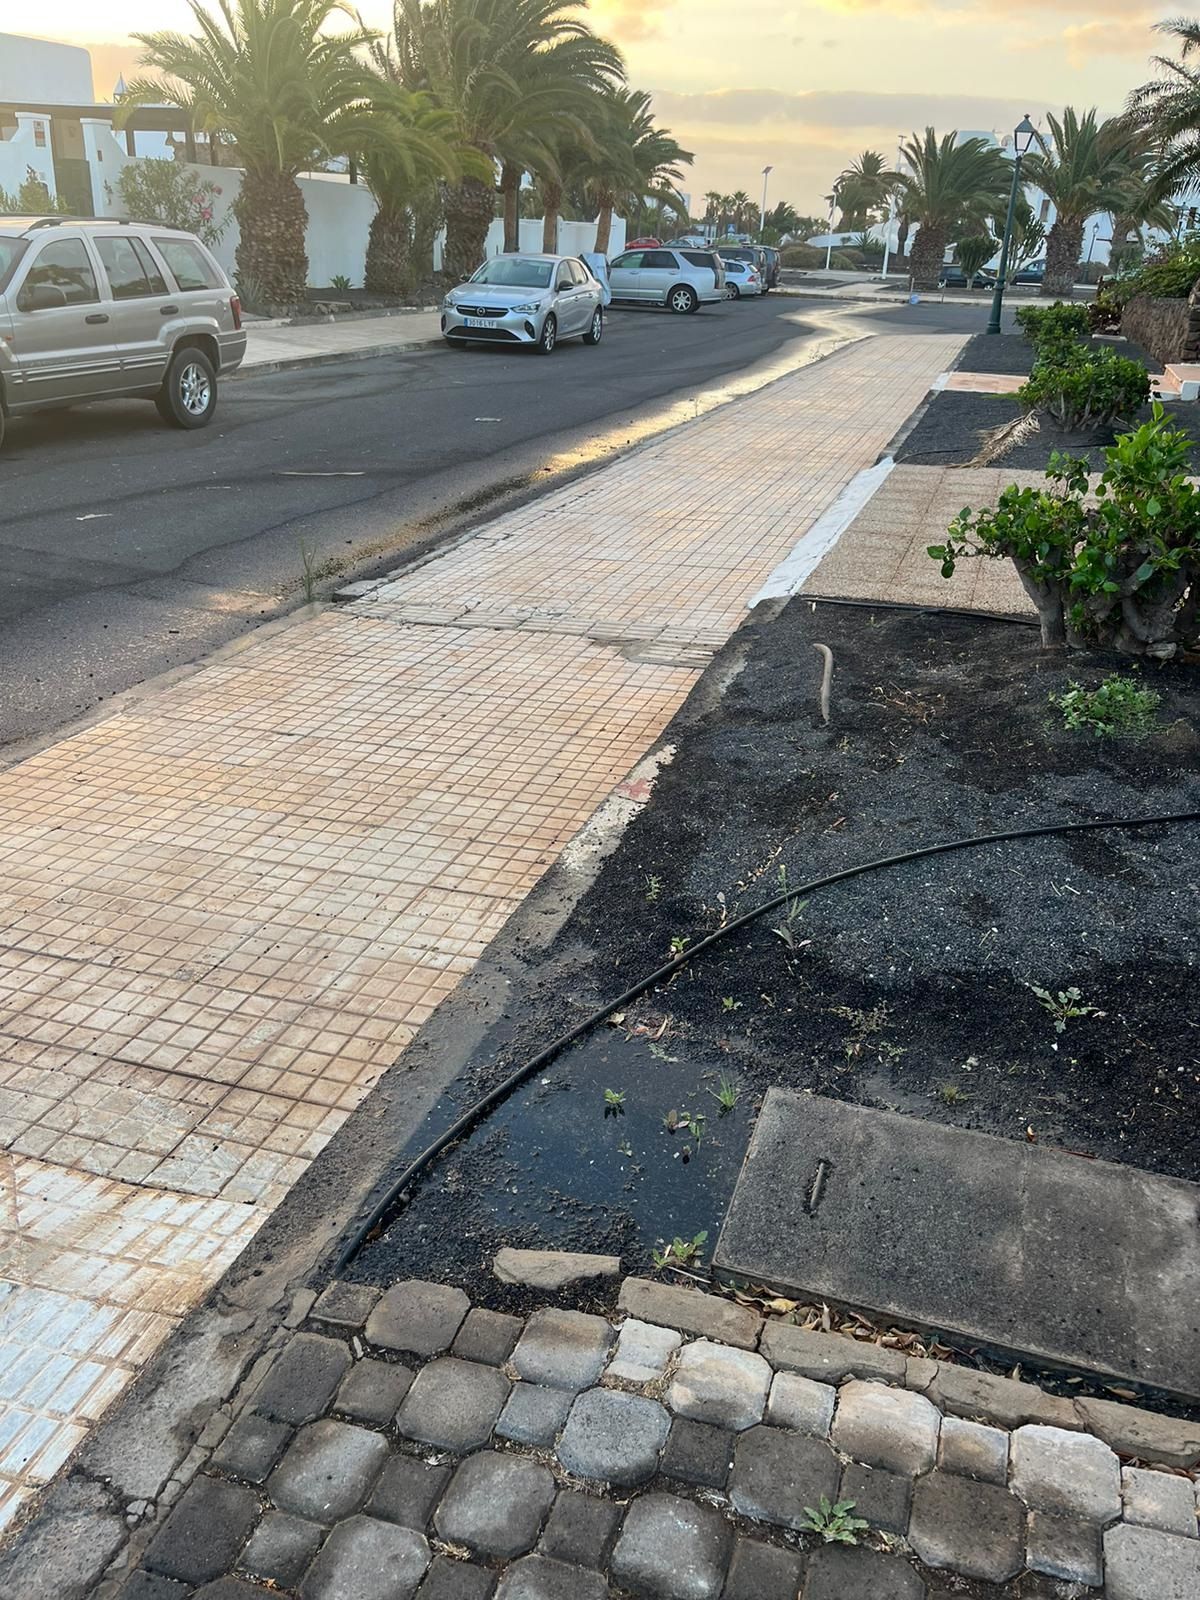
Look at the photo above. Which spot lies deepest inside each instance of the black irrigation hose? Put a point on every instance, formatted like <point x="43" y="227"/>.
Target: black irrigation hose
<point x="367" y="1222"/>
<point x="913" y="609"/>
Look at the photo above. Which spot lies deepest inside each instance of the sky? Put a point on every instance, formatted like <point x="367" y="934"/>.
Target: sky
<point x="801" y="87"/>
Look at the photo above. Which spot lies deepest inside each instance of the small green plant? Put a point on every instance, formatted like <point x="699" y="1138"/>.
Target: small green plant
<point x="340" y="281"/>
<point x="1084" y="389"/>
<point x="1115" y="707"/>
<point x="614" y="1102"/>
<point x="678" y="944"/>
<point x="835" y="1523"/>
<point x="685" y="1122"/>
<point x="308" y="558"/>
<point x="680" y="1252"/>
<point x="951" y="1094"/>
<point x="1064" y="1006"/>
<point x="653" y="889"/>
<point x="726" y="1094"/>
<point x="728" y="1003"/>
<point x="659" y="1051"/>
<point x="625" y="1148"/>
<point x="1047" y="324"/>
<point x="786" y="930"/>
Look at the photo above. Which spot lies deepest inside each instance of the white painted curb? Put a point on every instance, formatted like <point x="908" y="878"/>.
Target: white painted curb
<point x="825" y="532"/>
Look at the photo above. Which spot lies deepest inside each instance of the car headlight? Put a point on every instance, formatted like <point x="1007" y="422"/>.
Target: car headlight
<point x="528" y="310"/>
<point x="449" y="304"/>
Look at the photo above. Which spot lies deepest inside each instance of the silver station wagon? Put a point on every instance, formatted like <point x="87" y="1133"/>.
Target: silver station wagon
<point x="96" y="309"/>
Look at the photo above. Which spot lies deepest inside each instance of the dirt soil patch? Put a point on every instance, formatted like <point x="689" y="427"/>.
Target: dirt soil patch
<point x="949" y="431"/>
<point x="908" y="989"/>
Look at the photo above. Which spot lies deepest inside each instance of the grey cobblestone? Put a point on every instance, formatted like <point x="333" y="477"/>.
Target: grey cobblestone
<point x="1064" y="1548"/>
<point x="719" y="1385"/>
<point x="1069" y="1474"/>
<point x="614" y="1436"/>
<point x="643" y="1351"/>
<point x="777" y="1473"/>
<point x="418" y="1317"/>
<point x="698" y="1453"/>
<point x="973" y="1450"/>
<point x="672" y="1549"/>
<point x="886" y="1427"/>
<point x="763" y="1572"/>
<point x="565" y="1349"/>
<point x="1144" y="1564"/>
<point x="964" y="1392"/>
<point x="836" y="1573"/>
<point x="251" y="1447"/>
<point x="828" y="1357"/>
<point x="534" y="1414"/>
<point x="801" y="1403"/>
<point x="1159" y="1500"/>
<point x="580" y="1528"/>
<point x="346" y="1305"/>
<point x="1132" y="1431"/>
<point x="205" y="1531"/>
<point x="303" y="1378"/>
<point x="690" y="1311"/>
<point x="372" y="1391"/>
<point x="448" y="1579"/>
<point x="367" y="1560"/>
<point x="151" y="1586"/>
<point x="540" y="1578"/>
<point x="281" y="1548"/>
<point x="453" y="1404"/>
<point x="495" y="1504"/>
<point x="407" y="1491"/>
<point x="233" y="1589"/>
<point x="976" y="1529"/>
<point x="328" y="1471"/>
<point x="883" y="1498"/>
<point x="487" y="1336"/>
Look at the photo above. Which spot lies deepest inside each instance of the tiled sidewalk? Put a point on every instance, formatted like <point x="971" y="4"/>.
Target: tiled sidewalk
<point x="408" y="1445"/>
<point x="229" y="908"/>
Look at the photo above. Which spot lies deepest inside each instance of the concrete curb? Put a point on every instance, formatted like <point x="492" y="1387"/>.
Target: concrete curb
<point x="366" y="353"/>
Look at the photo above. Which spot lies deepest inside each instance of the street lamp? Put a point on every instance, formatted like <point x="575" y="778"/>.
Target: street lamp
<point x="762" y="215"/>
<point x="1023" y="136"/>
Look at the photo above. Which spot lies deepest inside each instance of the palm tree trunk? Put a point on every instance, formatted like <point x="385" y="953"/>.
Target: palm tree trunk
<point x="389" y="265"/>
<point x="510" y="188"/>
<point x="551" y="204"/>
<point x="470" y="207"/>
<point x="428" y="215"/>
<point x="272" y="263"/>
<point x="902" y="237"/>
<point x="928" y="252"/>
<point x="608" y="202"/>
<point x="1062" y="257"/>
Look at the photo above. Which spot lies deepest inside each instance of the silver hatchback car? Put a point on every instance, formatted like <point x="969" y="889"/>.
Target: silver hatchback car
<point x="96" y="309"/>
<point x="526" y="299"/>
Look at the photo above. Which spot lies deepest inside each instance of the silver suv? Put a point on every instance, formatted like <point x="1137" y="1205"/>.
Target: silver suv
<point x="679" y="278"/>
<point x="96" y="309"/>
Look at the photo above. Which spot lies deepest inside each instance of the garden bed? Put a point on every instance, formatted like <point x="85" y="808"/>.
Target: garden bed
<point x="907" y="990"/>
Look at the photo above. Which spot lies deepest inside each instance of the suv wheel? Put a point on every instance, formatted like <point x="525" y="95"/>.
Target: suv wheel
<point x="682" y="299"/>
<point x="188" y="396"/>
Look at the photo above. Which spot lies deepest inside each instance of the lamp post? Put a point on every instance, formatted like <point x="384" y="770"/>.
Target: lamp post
<point x="829" y="246"/>
<point x="762" y="215"/>
<point x="1023" y="136"/>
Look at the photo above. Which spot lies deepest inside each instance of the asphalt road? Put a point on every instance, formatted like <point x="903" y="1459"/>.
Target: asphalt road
<point x="128" y="548"/>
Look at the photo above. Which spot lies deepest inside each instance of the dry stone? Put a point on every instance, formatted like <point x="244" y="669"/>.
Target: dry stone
<point x="419" y="1317"/>
<point x="1069" y="1474"/>
<point x="724" y="1387"/>
<point x="975" y="1529"/>
<point x="1159" y="1500"/>
<point x="1144" y="1434"/>
<point x="829" y="1357"/>
<point x="551" y="1270"/>
<point x="672" y="1549"/>
<point x="643" y="1351"/>
<point x="565" y="1349"/>
<point x="614" y="1437"/>
<point x="885" y="1427"/>
<point x="691" y="1311"/>
<point x="1144" y="1564"/>
<point x="973" y="1450"/>
<point x="799" y="1403"/>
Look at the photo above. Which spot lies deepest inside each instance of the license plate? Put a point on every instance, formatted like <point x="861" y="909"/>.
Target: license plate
<point x="478" y="322"/>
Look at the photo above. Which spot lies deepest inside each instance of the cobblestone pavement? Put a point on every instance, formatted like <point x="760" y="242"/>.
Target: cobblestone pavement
<point x="231" y="905"/>
<point x="406" y="1444"/>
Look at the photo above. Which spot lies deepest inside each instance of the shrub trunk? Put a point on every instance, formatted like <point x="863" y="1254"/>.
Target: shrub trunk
<point x="428" y="215"/>
<point x="470" y="207"/>
<point x="272" y="264"/>
<point x="1062" y="257"/>
<point x="608" y="202"/>
<point x="389" y="266"/>
<point x="551" y="203"/>
<point x="510" y="189"/>
<point x="928" y="253"/>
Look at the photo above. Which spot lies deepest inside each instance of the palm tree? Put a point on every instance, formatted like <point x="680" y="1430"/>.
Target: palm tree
<point x="862" y="189"/>
<point x="947" y="185"/>
<point x="1168" y="110"/>
<point x="1091" y="166"/>
<point x="400" y="170"/>
<point x="266" y="77"/>
<point x="510" y="71"/>
<point x="636" y="160"/>
<point x="742" y="208"/>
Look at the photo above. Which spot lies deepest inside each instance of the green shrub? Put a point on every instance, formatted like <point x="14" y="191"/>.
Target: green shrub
<point x="32" y="199"/>
<point x="1121" y="568"/>
<point x="155" y="190"/>
<point x="1084" y="389"/>
<point x="1116" y="706"/>
<point x="1170" y="273"/>
<point x="1049" y="324"/>
<point x="1104" y="312"/>
<point x="803" y="256"/>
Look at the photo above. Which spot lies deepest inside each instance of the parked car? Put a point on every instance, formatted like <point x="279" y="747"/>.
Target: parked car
<point x="754" y="254"/>
<point x="1034" y="272"/>
<point x="774" y="263"/>
<point x="953" y="277"/>
<point x="525" y="299"/>
<point x="742" y="278"/>
<point x="643" y="244"/>
<point x="96" y="309"/>
<point x="681" y="280"/>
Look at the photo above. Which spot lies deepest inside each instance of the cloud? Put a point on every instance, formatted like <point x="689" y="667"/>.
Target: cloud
<point x="631" y="20"/>
<point x="840" y="109"/>
<point x="1129" y="37"/>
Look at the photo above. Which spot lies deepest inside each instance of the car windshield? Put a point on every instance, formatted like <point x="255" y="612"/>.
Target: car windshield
<point x="738" y="255"/>
<point x="11" y="251"/>
<point x="514" y="272"/>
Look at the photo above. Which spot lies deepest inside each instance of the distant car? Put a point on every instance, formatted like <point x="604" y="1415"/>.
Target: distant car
<point x="742" y="278"/>
<point x="753" y="253"/>
<point x="531" y="300"/>
<point x="681" y="280"/>
<point x="953" y="277"/>
<point x="642" y="244"/>
<point x="774" y="262"/>
<point x="1034" y="272"/>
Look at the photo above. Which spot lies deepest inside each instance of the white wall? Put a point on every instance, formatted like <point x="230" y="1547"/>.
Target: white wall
<point x="21" y="151"/>
<point x="339" y="222"/>
<point x="36" y="71"/>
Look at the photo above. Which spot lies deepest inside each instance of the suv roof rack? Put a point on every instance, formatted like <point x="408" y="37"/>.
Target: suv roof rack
<point x="55" y="222"/>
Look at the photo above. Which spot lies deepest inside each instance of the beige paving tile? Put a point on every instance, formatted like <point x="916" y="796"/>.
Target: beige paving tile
<point x="227" y="910"/>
